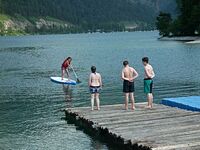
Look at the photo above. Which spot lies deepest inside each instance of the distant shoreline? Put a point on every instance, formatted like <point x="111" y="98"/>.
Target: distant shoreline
<point x="126" y="31"/>
<point x="181" y="38"/>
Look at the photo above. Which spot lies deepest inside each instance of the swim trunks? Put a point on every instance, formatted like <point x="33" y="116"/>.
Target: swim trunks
<point x="95" y="89"/>
<point x="128" y="87"/>
<point x="148" y="85"/>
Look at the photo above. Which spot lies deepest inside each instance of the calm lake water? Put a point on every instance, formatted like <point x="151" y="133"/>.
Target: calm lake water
<point x="30" y="104"/>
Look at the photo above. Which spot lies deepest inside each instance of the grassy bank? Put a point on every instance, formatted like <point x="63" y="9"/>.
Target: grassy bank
<point x="19" y="25"/>
<point x="8" y="26"/>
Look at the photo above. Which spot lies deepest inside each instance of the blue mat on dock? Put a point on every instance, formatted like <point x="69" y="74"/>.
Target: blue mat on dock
<point x="189" y="103"/>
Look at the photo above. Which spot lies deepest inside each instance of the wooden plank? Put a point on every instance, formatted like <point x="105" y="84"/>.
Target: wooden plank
<point x="114" y="109"/>
<point x="156" y="133"/>
<point x="142" y="118"/>
<point x="191" y="140"/>
<point x="193" y="146"/>
<point x="161" y="122"/>
<point x="169" y="122"/>
<point x="122" y="113"/>
<point x="133" y="115"/>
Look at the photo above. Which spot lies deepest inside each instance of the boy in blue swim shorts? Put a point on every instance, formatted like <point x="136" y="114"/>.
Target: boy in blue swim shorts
<point x="95" y="84"/>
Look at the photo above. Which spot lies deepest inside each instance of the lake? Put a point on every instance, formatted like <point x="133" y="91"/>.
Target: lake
<point x="30" y="104"/>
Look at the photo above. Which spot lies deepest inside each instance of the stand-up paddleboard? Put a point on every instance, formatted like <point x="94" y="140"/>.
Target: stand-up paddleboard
<point x="64" y="81"/>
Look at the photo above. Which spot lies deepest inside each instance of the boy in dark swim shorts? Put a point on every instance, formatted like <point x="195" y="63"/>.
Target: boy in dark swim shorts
<point x="148" y="82"/>
<point x="128" y="87"/>
<point x="129" y="74"/>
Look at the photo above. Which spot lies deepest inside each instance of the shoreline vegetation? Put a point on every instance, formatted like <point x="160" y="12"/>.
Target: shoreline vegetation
<point x="184" y="27"/>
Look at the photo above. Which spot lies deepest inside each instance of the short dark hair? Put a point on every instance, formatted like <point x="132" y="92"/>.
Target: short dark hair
<point x="125" y="63"/>
<point x="93" y="69"/>
<point x="145" y="59"/>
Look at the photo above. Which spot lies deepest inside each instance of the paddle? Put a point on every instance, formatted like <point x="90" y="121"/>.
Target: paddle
<point x="77" y="79"/>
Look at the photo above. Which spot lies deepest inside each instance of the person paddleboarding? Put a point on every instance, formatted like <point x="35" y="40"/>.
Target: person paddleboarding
<point x="65" y="67"/>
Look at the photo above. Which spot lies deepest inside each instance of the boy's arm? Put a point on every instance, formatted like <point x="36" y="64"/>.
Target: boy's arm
<point x="89" y="81"/>
<point x="153" y="73"/>
<point x="100" y="80"/>
<point x="123" y="77"/>
<point x="135" y="74"/>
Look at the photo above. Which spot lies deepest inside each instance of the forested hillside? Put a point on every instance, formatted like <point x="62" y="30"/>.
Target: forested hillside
<point x="186" y="24"/>
<point x="63" y="16"/>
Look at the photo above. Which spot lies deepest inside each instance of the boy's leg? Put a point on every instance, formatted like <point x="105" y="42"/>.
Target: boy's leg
<point x="97" y="101"/>
<point x="92" y="101"/>
<point x="150" y="100"/>
<point x="126" y="100"/>
<point x="150" y="95"/>
<point x="126" y="93"/>
<point x="148" y="84"/>
<point x="132" y="101"/>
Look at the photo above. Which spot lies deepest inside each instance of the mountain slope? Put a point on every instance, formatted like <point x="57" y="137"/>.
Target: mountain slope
<point x="81" y="15"/>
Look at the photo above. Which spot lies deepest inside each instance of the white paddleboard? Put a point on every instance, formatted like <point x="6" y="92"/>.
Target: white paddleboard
<point x="64" y="81"/>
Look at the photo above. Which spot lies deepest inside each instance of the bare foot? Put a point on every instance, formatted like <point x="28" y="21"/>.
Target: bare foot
<point x="133" y="108"/>
<point x="148" y="107"/>
<point x="97" y="108"/>
<point x="126" y="108"/>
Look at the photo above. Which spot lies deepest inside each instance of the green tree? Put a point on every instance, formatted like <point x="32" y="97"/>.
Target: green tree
<point x="1" y="28"/>
<point x="163" y="23"/>
<point x="1" y="7"/>
<point x="194" y="22"/>
<point x="186" y="9"/>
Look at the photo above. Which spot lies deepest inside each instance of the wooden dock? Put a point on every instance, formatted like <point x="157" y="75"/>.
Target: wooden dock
<point x="163" y="128"/>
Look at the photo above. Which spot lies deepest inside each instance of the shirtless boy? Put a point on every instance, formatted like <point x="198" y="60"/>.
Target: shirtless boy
<point x="95" y="84"/>
<point x="148" y="82"/>
<point x="129" y="74"/>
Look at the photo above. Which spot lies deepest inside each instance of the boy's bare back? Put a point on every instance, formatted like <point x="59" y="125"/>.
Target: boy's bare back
<point x="129" y="73"/>
<point x="149" y="72"/>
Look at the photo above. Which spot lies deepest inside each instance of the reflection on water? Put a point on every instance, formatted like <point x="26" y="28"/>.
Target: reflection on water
<point x="20" y="49"/>
<point x="30" y="103"/>
<point x="68" y="95"/>
<point x="34" y="51"/>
